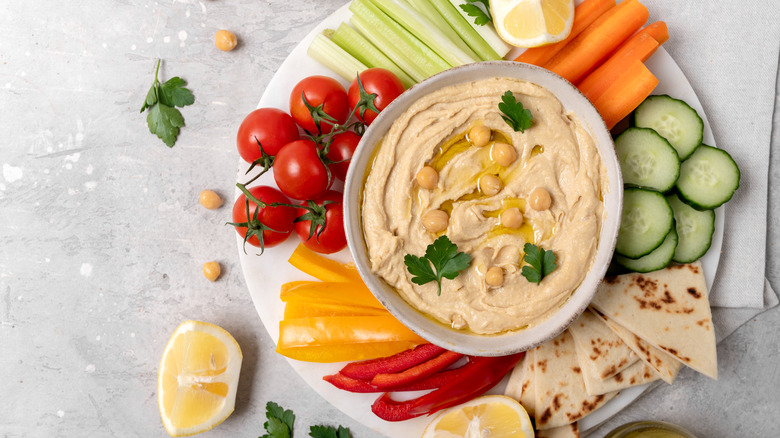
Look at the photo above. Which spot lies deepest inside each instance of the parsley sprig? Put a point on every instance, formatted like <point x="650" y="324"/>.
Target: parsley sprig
<point x="513" y="112"/>
<point x="441" y="259"/>
<point x="481" y="17"/>
<point x="541" y="262"/>
<point x="163" y="118"/>
<point x="280" y="425"/>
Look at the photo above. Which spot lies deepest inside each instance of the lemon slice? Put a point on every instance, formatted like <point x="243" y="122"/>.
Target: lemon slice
<point x="494" y="416"/>
<point x="198" y="378"/>
<point x="531" y="23"/>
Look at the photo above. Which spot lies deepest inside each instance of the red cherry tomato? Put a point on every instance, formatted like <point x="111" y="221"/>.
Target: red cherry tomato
<point x="278" y="219"/>
<point x="272" y="127"/>
<point x="329" y="238"/>
<point x="319" y="90"/>
<point x="341" y="150"/>
<point x="384" y="83"/>
<point x="299" y="171"/>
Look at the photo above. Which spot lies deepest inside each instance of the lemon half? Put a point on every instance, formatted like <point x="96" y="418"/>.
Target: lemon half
<point x="531" y="23"/>
<point x="198" y="378"/>
<point x="493" y="416"/>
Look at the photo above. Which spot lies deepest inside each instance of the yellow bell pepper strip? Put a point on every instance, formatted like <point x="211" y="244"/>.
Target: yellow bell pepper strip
<point x="293" y="284"/>
<point x="343" y="338"/>
<point x="323" y="268"/>
<point x="300" y="309"/>
<point x="355" y="294"/>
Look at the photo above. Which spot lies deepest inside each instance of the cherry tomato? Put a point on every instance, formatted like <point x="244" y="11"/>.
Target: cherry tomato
<point x="341" y="150"/>
<point x="327" y="238"/>
<point x="278" y="219"/>
<point x="384" y="83"/>
<point x="272" y="127"/>
<point x="319" y="90"/>
<point x="299" y="171"/>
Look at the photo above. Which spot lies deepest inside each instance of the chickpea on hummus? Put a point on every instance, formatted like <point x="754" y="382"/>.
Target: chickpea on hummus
<point x="451" y="165"/>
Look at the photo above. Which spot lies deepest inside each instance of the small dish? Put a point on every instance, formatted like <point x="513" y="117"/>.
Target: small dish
<point x="649" y="429"/>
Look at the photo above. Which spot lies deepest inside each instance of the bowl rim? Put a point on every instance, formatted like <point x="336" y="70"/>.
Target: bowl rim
<point x="428" y="328"/>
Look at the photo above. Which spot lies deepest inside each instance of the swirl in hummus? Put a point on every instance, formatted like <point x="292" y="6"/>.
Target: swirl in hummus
<point x="556" y="154"/>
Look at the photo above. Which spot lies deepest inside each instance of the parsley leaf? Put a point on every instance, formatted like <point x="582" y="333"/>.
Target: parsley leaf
<point x="280" y="421"/>
<point x="514" y="114"/>
<point x="163" y="119"/>
<point x="541" y="262"/>
<point x="329" y="432"/>
<point x="445" y="258"/>
<point x="481" y="17"/>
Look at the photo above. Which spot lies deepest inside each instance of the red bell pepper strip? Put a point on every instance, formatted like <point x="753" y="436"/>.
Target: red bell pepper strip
<point x="367" y="369"/>
<point x="479" y="375"/>
<point x="388" y="381"/>
<point x="361" y="386"/>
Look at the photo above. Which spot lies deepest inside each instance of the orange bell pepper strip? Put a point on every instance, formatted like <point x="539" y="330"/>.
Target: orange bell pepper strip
<point x="353" y="294"/>
<point x="293" y="284"/>
<point x="300" y="309"/>
<point x="322" y="268"/>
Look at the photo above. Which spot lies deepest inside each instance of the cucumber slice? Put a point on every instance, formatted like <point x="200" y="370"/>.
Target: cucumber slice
<point x="647" y="159"/>
<point x="694" y="230"/>
<point x="708" y="178"/>
<point x="647" y="219"/>
<point x="674" y="119"/>
<point x="658" y="259"/>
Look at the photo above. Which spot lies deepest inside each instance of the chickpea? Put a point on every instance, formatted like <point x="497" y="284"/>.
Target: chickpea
<point x="539" y="199"/>
<point x="436" y="221"/>
<point x="427" y="178"/>
<point x="479" y="135"/>
<point x="504" y="154"/>
<point x="210" y="199"/>
<point x="225" y="40"/>
<point x="494" y="276"/>
<point x="490" y="185"/>
<point x="512" y="218"/>
<point x="211" y="270"/>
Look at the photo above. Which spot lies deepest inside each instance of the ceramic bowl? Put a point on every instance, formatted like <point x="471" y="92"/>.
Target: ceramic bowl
<point x="464" y="341"/>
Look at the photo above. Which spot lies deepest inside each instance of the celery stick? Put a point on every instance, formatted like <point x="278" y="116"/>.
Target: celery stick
<point x="487" y="32"/>
<point x="329" y="54"/>
<point x="425" y="31"/>
<point x="409" y="53"/>
<point x="425" y="8"/>
<point x="358" y="46"/>
<point x="469" y="35"/>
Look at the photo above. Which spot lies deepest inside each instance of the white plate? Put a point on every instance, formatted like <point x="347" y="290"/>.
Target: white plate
<point x="265" y="274"/>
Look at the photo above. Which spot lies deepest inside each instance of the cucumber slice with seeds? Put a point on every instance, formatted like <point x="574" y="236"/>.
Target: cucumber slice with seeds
<point x="647" y="159"/>
<point x="658" y="259"/>
<point x="674" y="119"/>
<point x="694" y="230"/>
<point x="708" y="178"/>
<point x="646" y="220"/>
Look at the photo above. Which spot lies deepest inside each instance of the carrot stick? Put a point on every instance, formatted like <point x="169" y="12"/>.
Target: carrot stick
<point x="584" y="14"/>
<point x="638" y="48"/>
<point x="585" y="52"/>
<point x="657" y="30"/>
<point x="625" y="94"/>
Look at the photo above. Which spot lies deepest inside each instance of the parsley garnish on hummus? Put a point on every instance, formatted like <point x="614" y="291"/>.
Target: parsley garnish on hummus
<point x="541" y="263"/>
<point x="446" y="260"/>
<point x="513" y="112"/>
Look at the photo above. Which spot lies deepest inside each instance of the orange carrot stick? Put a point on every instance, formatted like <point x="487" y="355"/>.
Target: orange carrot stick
<point x="584" y="14"/>
<point x="657" y="30"/>
<point x="589" y="49"/>
<point x="625" y="94"/>
<point x="638" y="48"/>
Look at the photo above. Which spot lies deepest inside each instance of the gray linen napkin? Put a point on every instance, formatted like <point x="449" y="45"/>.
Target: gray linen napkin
<point x="729" y="50"/>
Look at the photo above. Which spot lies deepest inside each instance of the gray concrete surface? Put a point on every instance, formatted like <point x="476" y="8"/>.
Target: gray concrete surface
<point x="102" y="239"/>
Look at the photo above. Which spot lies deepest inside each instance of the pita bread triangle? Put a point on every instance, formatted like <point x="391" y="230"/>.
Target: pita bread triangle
<point x="664" y="364"/>
<point x="637" y="374"/>
<point x="521" y="384"/>
<point x="601" y="352"/>
<point x="561" y="397"/>
<point x="567" y="431"/>
<point x="669" y="309"/>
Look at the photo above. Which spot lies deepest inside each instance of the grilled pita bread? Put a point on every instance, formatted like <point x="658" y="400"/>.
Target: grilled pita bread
<point x="561" y="397"/>
<point x="637" y="374"/>
<point x="568" y="431"/>
<point x="664" y="364"/>
<point x="669" y="309"/>
<point x="601" y="352"/>
<point x="521" y="384"/>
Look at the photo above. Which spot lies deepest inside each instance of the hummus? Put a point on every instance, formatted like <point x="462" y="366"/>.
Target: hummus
<point x="556" y="153"/>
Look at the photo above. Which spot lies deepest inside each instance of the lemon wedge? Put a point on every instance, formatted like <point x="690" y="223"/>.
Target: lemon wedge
<point x="494" y="416"/>
<point x="198" y="378"/>
<point x="531" y="23"/>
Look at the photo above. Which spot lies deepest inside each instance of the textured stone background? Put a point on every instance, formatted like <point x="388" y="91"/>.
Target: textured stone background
<point x="102" y="238"/>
